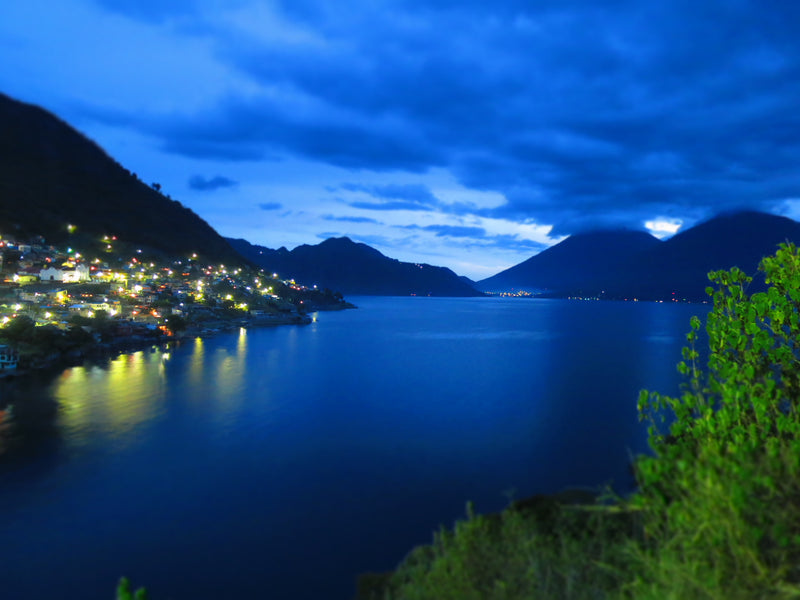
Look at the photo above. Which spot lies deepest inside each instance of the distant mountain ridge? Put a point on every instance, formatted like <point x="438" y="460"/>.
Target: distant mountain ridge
<point x="628" y="264"/>
<point x="355" y="269"/>
<point x="51" y="176"/>
<point x="580" y="262"/>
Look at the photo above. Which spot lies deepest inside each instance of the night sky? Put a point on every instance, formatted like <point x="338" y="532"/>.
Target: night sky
<point x="469" y="134"/>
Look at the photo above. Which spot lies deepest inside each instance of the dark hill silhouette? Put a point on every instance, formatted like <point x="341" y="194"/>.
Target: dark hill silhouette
<point x="51" y="176"/>
<point x="625" y="264"/>
<point x="355" y="269"/>
<point x="682" y="263"/>
<point x="583" y="261"/>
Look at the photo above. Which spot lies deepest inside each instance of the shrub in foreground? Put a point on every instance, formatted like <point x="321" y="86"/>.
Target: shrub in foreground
<point x="721" y="494"/>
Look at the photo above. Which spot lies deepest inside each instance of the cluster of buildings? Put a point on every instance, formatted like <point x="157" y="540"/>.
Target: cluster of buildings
<point x="51" y="285"/>
<point x="27" y="262"/>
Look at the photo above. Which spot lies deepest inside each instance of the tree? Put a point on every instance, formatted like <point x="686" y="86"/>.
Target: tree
<point x="175" y="323"/>
<point x="80" y="320"/>
<point x="721" y="494"/>
<point x="19" y="329"/>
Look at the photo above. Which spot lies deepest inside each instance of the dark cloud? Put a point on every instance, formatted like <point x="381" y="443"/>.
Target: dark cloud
<point x="412" y="192"/>
<point x="209" y="149"/>
<point x="270" y="206"/>
<point x="255" y="128"/>
<point x="351" y="219"/>
<point x="478" y="237"/>
<point x="393" y="196"/>
<point x="578" y="112"/>
<point x="392" y="205"/>
<point x="459" y="231"/>
<point x="198" y="182"/>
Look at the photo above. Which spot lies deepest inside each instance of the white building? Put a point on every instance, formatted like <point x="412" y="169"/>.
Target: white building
<point x="65" y="274"/>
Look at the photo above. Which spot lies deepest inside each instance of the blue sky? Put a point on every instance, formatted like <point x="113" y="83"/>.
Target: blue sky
<point x="467" y="134"/>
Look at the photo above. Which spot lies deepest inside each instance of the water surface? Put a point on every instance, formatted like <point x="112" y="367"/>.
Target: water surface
<point x="279" y="463"/>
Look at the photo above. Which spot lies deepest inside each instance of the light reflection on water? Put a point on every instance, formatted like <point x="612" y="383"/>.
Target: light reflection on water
<point x="113" y="403"/>
<point x="204" y="469"/>
<point x="110" y="401"/>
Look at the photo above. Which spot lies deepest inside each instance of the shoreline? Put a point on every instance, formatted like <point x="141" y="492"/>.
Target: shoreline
<point x="126" y="344"/>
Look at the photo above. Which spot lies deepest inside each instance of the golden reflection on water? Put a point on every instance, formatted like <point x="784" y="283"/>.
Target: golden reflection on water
<point x="111" y="400"/>
<point x="196" y="365"/>
<point x="115" y="400"/>
<point x="227" y="373"/>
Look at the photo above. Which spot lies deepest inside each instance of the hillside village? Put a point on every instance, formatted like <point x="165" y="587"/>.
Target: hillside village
<point x="58" y="302"/>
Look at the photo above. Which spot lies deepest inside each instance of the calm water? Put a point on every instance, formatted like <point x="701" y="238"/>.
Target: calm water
<point x="279" y="463"/>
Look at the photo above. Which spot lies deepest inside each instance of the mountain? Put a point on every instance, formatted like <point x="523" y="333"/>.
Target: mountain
<point x="583" y="261"/>
<point x="355" y="269"/>
<point x="626" y="264"/>
<point x="682" y="263"/>
<point x="51" y="176"/>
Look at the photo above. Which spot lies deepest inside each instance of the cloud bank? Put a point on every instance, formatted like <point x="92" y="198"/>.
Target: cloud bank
<point x="573" y="114"/>
<point x="576" y="112"/>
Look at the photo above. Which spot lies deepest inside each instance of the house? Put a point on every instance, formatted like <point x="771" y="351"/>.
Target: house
<point x="66" y="274"/>
<point x="51" y="274"/>
<point x="27" y="275"/>
<point x="90" y="309"/>
<point x="39" y="292"/>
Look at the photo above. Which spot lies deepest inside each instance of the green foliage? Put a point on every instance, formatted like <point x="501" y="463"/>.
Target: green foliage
<point x="80" y="321"/>
<point x="549" y="550"/>
<point x="20" y="328"/>
<point x="124" y="591"/>
<point x="175" y="323"/>
<point x="721" y="495"/>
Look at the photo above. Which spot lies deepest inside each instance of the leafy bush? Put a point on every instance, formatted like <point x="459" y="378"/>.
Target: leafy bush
<point x="549" y="549"/>
<point x="124" y="591"/>
<point x="721" y="495"/>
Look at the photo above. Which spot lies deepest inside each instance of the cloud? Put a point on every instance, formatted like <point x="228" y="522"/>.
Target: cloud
<point x="579" y="114"/>
<point x="412" y="192"/>
<point x="459" y="231"/>
<point x="478" y="237"/>
<point x="396" y="205"/>
<point x="200" y="183"/>
<point x="270" y="206"/>
<point x="393" y="196"/>
<point x="351" y="219"/>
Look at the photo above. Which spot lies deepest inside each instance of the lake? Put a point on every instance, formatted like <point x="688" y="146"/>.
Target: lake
<point x="279" y="463"/>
